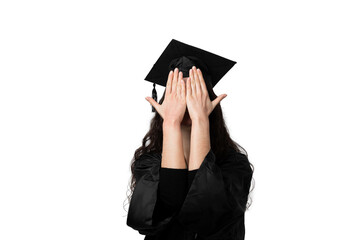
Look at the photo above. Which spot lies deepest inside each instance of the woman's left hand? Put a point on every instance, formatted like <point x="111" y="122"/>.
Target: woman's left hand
<point x="197" y="98"/>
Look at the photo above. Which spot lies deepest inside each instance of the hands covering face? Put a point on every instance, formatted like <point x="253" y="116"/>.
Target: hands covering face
<point x="193" y="95"/>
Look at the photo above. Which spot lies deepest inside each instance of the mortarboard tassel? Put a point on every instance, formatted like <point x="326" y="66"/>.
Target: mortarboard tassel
<point x="154" y="96"/>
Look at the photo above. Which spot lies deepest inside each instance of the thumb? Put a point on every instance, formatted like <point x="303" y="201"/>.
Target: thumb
<point x="153" y="102"/>
<point x="218" y="99"/>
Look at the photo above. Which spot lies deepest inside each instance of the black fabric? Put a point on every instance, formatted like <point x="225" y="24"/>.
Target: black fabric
<point x="173" y="187"/>
<point x="182" y="55"/>
<point x="172" y="191"/>
<point x="191" y="175"/>
<point x="213" y="207"/>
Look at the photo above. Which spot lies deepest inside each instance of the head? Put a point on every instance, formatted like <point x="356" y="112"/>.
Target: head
<point x="220" y="139"/>
<point x="184" y="64"/>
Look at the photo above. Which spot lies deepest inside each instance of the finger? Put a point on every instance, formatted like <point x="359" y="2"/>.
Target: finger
<point x="179" y="84"/>
<point x="174" y="82"/>
<point x="197" y="81"/>
<point x="182" y="88"/>
<point x="169" y="82"/>
<point x="188" y="87"/>
<point x="153" y="103"/>
<point x="218" y="99"/>
<point x="202" y="82"/>
<point x="192" y="82"/>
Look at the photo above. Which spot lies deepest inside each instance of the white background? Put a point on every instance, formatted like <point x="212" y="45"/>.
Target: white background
<point x="73" y="110"/>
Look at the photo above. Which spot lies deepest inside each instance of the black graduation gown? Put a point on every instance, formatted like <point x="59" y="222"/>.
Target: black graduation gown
<point x="213" y="207"/>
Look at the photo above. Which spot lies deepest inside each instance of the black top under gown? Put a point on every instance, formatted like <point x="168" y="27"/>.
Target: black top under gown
<point x="207" y="203"/>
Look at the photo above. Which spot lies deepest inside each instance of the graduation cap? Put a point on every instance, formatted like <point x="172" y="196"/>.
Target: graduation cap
<point x="183" y="56"/>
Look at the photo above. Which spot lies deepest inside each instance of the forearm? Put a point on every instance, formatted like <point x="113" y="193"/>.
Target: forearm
<point x="172" y="153"/>
<point x="200" y="143"/>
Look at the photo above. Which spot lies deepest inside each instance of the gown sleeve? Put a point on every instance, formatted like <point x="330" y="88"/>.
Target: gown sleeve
<point x="151" y="210"/>
<point x="217" y="196"/>
<point x="171" y="193"/>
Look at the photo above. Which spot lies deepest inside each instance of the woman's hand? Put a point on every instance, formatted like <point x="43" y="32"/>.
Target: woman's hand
<point x="174" y="104"/>
<point x="197" y="98"/>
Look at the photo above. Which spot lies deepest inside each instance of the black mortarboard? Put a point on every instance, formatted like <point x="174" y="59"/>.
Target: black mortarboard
<point x="184" y="56"/>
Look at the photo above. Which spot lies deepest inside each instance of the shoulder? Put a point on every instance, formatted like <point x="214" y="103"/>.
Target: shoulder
<point x="147" y="165"/>
<point x="148" y="159"/>
<point x="235" y="155"/>
<point x="237" y="160"/>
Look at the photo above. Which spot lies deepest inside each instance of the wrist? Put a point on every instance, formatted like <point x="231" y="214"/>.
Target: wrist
<point x="171" y="123"/>
<point x="200" y="122"/>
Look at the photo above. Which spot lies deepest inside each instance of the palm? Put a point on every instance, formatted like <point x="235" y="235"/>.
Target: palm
<point x="174" y="104"/>
<point x="197" y="97"/>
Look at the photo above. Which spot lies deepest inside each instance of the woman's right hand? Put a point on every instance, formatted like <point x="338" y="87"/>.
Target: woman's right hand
<point x="174" y="105"/>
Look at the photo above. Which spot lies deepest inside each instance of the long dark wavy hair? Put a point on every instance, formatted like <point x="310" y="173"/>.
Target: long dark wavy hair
<point x="220" y="140"/>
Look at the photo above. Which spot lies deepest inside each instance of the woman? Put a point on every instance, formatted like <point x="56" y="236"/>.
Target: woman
<point x="188" y="139"/>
